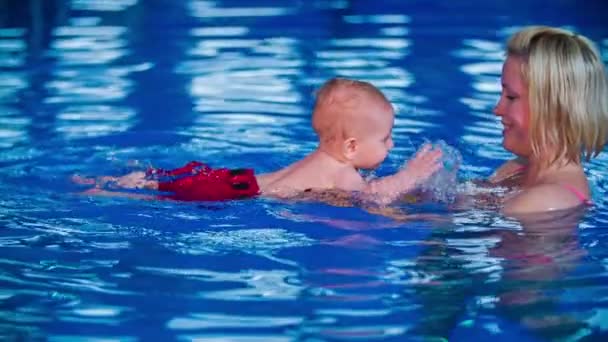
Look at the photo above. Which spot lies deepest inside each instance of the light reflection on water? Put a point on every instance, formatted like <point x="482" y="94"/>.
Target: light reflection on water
<point x="12" y="56"/>
<point x="98" y="87"/>
<point x="484" y="66"/>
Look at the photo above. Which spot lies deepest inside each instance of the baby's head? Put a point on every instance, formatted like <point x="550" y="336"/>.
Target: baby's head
<point x="354" y="122"/>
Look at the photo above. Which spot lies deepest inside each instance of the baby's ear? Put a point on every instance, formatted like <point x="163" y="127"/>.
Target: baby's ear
<point x="349" y="148"/>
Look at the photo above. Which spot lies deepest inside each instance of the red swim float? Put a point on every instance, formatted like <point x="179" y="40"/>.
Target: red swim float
<point x="196" y="181"/>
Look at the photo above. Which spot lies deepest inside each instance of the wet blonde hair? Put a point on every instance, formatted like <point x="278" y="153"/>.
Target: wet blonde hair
<point x="567" y="90"/>
<point x="336" y="113"/>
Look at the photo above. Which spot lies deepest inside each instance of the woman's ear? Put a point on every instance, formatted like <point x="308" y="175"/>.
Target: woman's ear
<point x="349" y="148"/>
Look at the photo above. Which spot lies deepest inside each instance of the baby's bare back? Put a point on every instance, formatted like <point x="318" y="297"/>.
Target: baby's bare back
<point x="316" y="171"/>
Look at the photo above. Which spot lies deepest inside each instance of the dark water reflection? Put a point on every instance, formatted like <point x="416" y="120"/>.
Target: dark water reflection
<point x="104" y="87"/>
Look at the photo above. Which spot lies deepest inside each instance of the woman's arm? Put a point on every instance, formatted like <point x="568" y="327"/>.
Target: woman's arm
<point x="508" y="170"/>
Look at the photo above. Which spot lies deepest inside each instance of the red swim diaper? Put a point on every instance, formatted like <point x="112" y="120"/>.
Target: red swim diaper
<point x="196" y="181"/>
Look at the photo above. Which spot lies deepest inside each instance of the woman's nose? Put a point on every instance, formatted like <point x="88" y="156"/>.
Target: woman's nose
<point x="498" y="109"/>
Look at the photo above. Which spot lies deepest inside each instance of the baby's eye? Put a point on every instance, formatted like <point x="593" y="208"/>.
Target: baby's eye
<point x="511" y="97"/>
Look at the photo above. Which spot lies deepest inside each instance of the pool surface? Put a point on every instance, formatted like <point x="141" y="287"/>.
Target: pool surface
<point x="104" y="87"/>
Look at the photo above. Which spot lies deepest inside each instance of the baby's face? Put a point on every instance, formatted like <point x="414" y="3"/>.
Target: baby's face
<point x="375" y="140"/>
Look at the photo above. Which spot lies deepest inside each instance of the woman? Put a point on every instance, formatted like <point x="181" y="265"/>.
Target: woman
<point x="554" y="110"/>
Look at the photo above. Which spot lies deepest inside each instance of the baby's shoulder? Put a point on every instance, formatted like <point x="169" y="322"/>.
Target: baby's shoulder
<point x="348" y="179"/>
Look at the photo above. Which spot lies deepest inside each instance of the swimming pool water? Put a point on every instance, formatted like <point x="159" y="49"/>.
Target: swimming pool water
<point x="97" y="87"/>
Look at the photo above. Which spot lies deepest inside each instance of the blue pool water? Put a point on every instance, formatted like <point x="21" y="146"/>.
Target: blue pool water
<point x="98" y="87"/>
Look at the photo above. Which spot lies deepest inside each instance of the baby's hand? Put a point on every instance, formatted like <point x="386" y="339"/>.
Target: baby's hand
<point x="424" y="164"/>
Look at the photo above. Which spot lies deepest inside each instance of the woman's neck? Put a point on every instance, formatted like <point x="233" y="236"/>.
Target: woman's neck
<point x="537" y="170"/>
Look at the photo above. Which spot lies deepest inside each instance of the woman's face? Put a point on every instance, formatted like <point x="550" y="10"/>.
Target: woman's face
<point x="514" y="110"/>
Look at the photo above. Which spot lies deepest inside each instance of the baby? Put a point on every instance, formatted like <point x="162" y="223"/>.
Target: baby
<point x="353" y="121"/>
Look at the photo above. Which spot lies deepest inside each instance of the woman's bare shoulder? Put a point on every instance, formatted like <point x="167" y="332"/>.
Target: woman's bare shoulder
<point x="542" y="198"/>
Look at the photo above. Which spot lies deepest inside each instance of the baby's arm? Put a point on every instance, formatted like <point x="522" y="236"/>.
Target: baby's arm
<point x="424" y="164"/>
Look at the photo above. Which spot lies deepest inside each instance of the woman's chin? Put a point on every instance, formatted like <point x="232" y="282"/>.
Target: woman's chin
<point x="509" y="145"/>
<point x="515" y="148"/>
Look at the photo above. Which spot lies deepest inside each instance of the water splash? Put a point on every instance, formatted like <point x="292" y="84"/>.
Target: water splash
<point x="443" y="184"/>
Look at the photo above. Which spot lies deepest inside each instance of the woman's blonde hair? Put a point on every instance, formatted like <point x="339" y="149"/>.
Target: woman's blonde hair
<point x="568" y="92"/>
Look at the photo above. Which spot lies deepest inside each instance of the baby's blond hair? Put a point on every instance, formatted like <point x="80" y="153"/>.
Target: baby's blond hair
<point x="568" y="92"/>
<point x="336" y="109"/>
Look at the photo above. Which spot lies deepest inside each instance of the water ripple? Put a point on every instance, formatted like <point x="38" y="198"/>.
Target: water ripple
<point x="197" y="321"/>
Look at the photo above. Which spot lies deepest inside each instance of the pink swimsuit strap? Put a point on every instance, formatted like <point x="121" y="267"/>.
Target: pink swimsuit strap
<point x="578" y="194"/>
